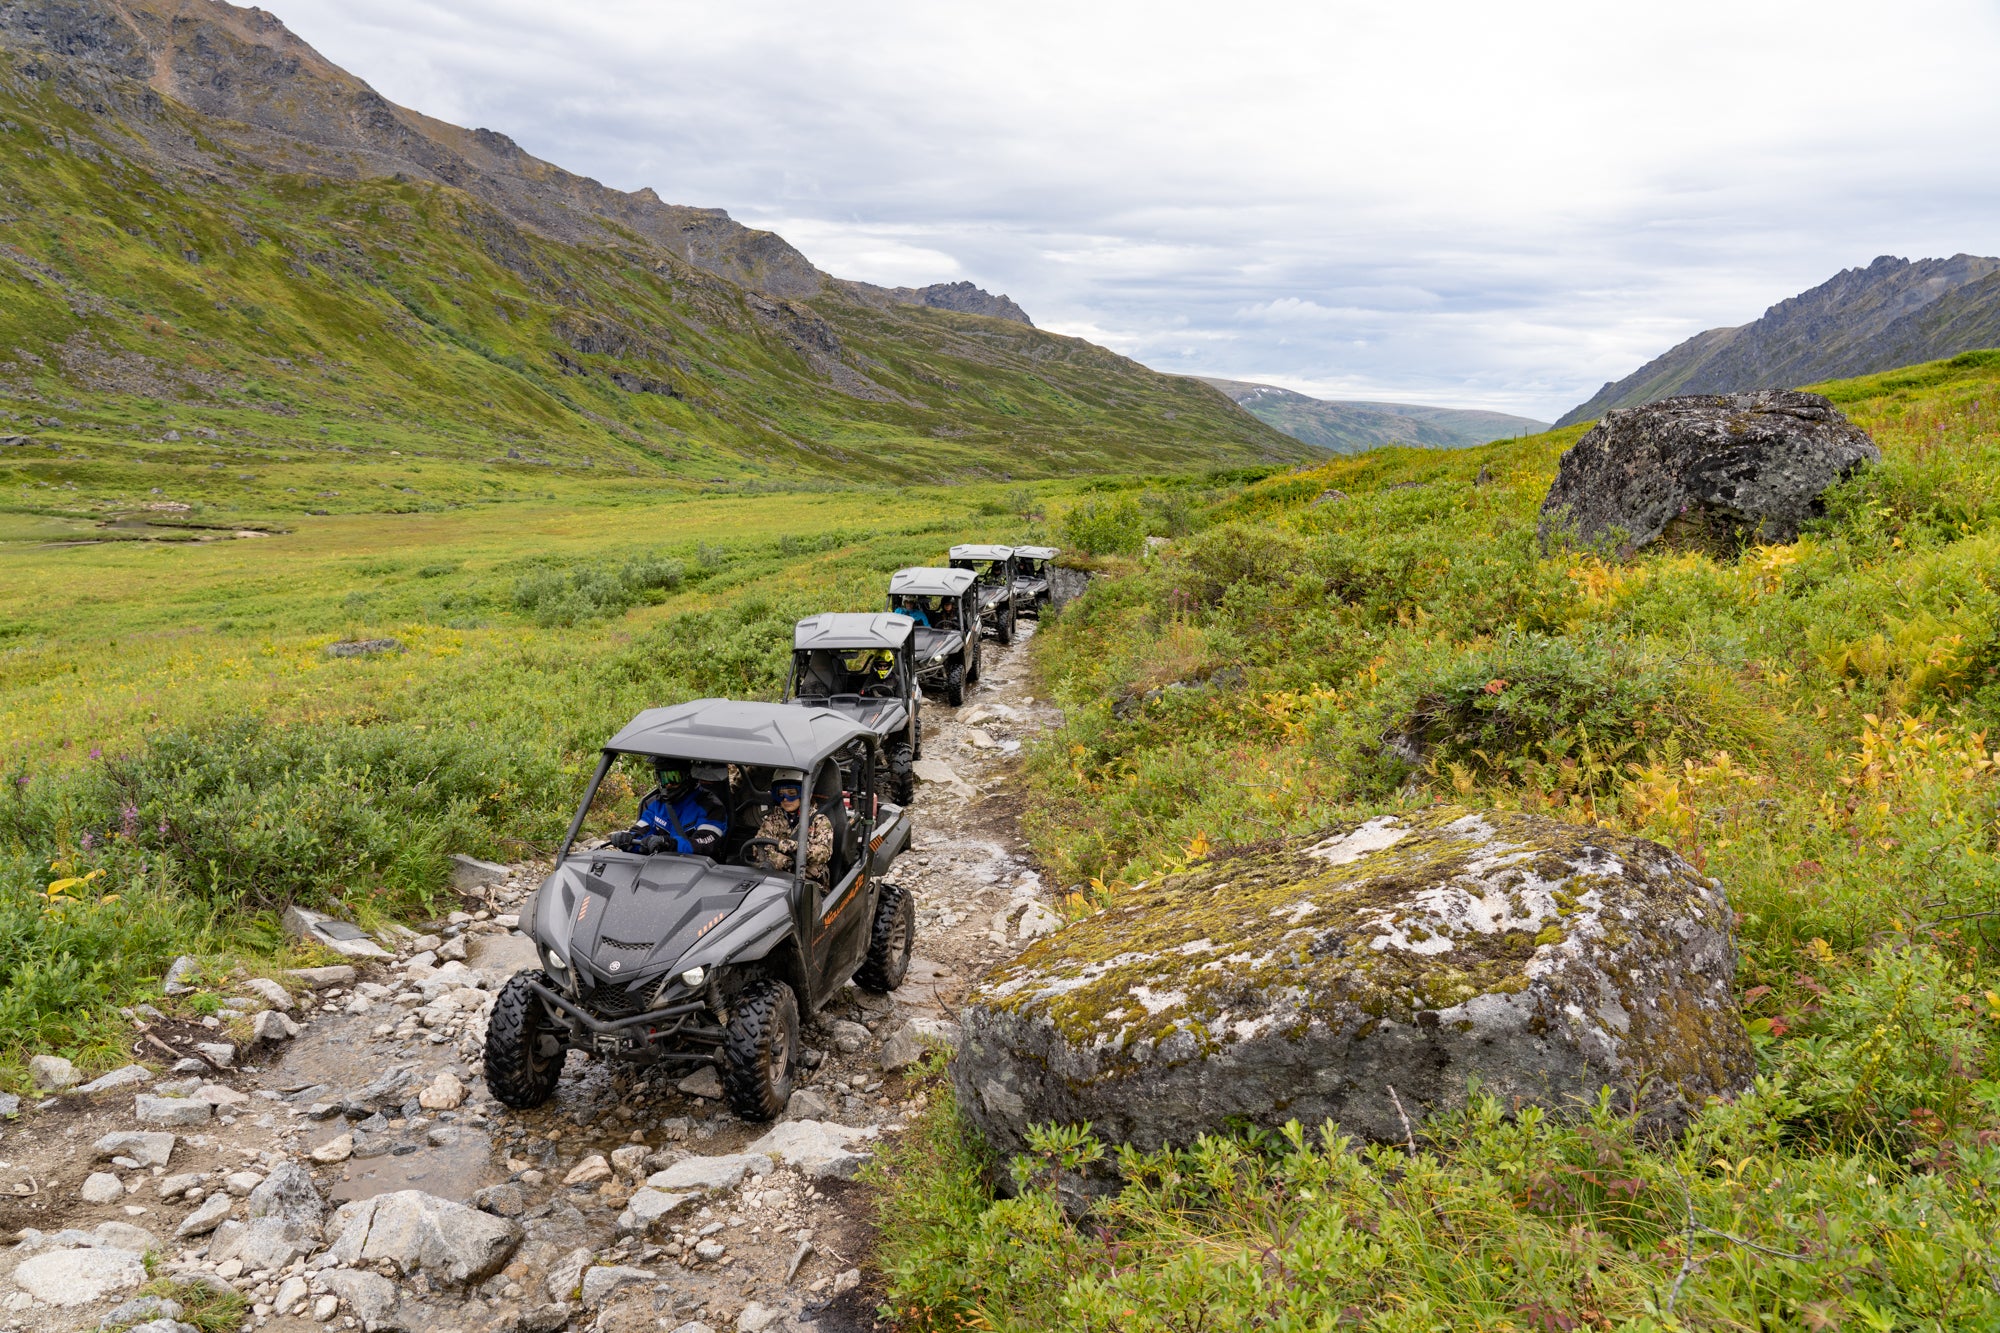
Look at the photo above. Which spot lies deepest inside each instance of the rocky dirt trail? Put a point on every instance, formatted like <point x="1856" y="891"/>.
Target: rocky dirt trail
<point x="345" y="1169"/>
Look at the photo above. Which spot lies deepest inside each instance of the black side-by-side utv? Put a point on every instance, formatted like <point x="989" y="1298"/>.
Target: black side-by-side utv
<point x="944" y="605"/>
<point x="1032" y="591"/>
<point x="993" y="566"/>
<point x="673" y="958"/>
<point x="864" y="667"/>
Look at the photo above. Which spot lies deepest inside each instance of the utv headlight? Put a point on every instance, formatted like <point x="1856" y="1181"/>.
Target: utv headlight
<point x="556" y="961"/>
<point x="694" y="976"/>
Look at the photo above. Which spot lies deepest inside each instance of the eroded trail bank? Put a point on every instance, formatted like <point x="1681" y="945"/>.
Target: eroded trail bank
<point x="354" y="1174"/>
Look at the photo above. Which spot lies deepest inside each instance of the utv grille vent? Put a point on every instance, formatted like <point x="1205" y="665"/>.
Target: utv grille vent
<point x="610" y="943"/>
<point x="618" y="1001"/>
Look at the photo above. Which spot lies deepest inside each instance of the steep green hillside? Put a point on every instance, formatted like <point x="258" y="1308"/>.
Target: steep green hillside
<point x="1816" y="725"/>
<point x="318" y="335"/>
<point x="1355" y="427"/>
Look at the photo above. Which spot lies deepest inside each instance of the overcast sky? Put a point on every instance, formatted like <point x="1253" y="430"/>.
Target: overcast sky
<point x="1495" y="205"/>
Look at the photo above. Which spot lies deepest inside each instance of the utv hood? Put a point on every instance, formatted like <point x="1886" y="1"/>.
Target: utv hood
<point x="618" y="918"/>
<point x="934" y="644"/>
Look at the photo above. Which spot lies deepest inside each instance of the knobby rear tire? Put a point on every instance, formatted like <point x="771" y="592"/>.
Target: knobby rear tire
<point x="517" y="1073"/>
<point x="954" y="686"/>
<point x="891" y="938"/>
<point x="760" y="1050"/>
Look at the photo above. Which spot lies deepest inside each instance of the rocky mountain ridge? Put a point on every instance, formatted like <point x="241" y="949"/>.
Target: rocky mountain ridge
<point x="1860" y="321"/>
<point x="192" y="200"/>
<point x="1352" y="426"/>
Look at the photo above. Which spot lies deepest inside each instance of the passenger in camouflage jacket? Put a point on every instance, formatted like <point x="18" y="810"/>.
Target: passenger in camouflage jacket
<point x="782" y="825"/>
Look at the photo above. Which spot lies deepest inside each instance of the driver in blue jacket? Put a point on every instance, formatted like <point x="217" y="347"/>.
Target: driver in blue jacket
<point x="678" y="815"/>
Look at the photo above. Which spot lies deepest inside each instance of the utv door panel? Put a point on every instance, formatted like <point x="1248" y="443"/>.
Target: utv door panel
<point x="891" y="840"/>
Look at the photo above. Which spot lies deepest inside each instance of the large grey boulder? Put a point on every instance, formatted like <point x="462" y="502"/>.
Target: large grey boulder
<point x="1720" y="469"/>
<point x="78" y="1277"/>
<point x="369" y="1297"/>
<point x="1417" y="952"/>
<point x="413" y="1231"/>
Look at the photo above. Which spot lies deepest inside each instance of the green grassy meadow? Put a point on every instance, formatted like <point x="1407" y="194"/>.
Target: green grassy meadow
<point x="1817" y="725"/>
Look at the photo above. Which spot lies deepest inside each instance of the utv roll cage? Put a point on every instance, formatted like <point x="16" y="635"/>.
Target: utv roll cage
<point x="822" y="675"/>
<point x="993" y="566"/>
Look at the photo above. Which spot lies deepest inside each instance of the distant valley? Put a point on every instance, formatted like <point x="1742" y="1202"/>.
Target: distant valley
<point x="1352" y="427"/>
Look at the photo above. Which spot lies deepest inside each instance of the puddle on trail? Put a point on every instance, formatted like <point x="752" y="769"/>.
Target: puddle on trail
<point x="454" y="1171"/>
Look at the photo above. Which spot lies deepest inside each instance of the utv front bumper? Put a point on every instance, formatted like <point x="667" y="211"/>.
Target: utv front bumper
<point x="662" y="1034"/>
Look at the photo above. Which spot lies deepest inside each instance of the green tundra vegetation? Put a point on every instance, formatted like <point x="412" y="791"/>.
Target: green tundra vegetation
<point x="1817" y="725"/>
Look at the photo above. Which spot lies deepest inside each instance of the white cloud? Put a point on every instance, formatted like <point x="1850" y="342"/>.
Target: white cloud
<point x="1511" y="203"/>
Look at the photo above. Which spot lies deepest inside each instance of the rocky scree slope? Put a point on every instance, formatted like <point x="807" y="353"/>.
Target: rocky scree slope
<point x="198" y="209"/>
<point x="1862" y="320"/>
<point x="1356" y="427"/>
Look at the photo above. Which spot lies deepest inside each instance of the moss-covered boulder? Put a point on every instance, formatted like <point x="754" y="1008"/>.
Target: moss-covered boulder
<point x="1304" y="980"/>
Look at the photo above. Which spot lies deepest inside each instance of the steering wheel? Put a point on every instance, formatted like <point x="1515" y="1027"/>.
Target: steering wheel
<point x="748" y="853"/>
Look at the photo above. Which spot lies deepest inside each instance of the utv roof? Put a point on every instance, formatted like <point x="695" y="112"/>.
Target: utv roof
<point x="849" y="630"/>
<point x="931" y="582"/>
<point x="1037" y="552"/>
<point x="726" y="731"/>
<point x="981" y="552"/>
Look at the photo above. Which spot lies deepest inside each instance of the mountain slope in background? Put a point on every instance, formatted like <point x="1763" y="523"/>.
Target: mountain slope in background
<point x="204" y="224"/>
<point x="1352" y="427"/>
<point x="1861" y="321"/>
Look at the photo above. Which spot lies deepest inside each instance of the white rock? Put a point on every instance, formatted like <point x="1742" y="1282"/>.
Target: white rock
<point x="52" y="1073"/>
<point x="369" y="1297"/>
<point x="710" y="1173"/>
<point x="599" y="1284"/>
<point x="648" y="1208"/>
<point x="102" y="1187"/>
<point x="118" y="1078"/>
<point x="207" y="1217"/>
<point x="325" y="1308"/>
<point x="469" y="874"/>
<point x="566" y="1273"/>
<point x="445" y="1093"/>
<point x="816" y="1148"/>
<point x="849" y="1036"/>
<point x="704" y="1082"/>
<point x="901" y="1050"/>
<point x="79" y="1277"/>
<point x="179" y="1112"/>
<point x="221" y="1053"/>
<point x="174" y="1186"/>
<point x="319" y="978"/>
<point x="240" y="1183"/>
<point x="757" y="1317"/>
<point x="291" y="1295"/>
<point x="1038" y="920"/>
<point x="270" y="1025"/>
<point x="147" y="1149"/>
<point x="340" y="936"/>
<point x="630" y="1160"/>
<point x="270" y="992"/>
<point x="220" y="1094"/>
<point x="589" y="1171"/>
<point x="453" y="949"/>
<point x="847" y="1281"/>
<point x="710" y="1249"/>
<point x="334" y="1150"/>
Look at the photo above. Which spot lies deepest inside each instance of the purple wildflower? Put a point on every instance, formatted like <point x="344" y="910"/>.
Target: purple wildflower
<point x="129" y="821"/>
<point x="89" y="840"/>
<point x="96" y="752"/>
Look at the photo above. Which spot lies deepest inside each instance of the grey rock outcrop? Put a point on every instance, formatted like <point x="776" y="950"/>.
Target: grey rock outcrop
<point x="1723" y="468"/>
<point x="1416" y="952"/>
<point x="413" y="1231"/>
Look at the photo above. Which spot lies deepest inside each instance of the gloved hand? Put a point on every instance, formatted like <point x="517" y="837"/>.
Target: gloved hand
<point x="622" y="840"/>
<point x="654" y="845"/>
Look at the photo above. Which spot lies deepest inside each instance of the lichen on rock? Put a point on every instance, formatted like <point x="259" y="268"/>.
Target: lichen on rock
<point x="1301" y="980"/>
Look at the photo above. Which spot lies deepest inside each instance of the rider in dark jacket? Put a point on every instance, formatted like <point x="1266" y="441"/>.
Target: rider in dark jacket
<point x="677" y="815"/>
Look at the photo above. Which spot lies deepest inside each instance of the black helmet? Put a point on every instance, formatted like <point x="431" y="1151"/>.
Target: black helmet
<point x="673" y="774"/>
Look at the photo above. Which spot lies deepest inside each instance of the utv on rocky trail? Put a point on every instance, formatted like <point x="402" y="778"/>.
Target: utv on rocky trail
<point x="993" y="566"/>
<point x="659" y="957"/>
<point x="1032" y="592"/>
<point x="946" y="646"/>
<point x="864" y="667"/>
